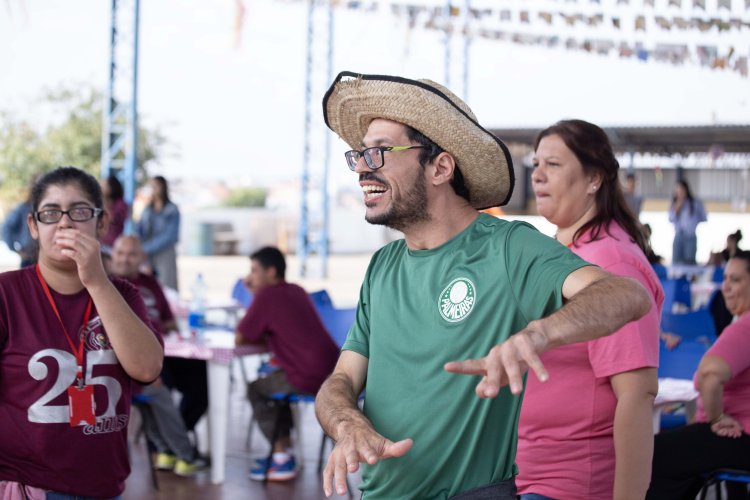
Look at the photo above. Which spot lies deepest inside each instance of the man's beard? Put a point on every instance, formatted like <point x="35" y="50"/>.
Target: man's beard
<point x="410" y="209"/>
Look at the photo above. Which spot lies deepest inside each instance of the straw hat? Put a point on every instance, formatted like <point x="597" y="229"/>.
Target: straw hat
<point x="354" y="100"/>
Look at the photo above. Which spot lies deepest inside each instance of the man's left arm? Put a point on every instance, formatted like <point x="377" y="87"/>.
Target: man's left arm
<point x="633" y="431"/>
<point x="598" y="304"/>
<point x="252" y="327"/>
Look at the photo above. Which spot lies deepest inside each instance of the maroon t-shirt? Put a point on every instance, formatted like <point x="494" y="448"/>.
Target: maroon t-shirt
<point x="284" y="317"/>
<point x="38" y="447"/>
<point x="156" y="303"/>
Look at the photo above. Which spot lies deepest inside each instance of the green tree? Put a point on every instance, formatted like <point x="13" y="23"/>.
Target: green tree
<point x="73" y="136"/>
<point x="246" y="197"/>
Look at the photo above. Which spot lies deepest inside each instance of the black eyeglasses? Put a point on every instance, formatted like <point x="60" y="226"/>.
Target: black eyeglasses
<point x="374" y="157"/>
<point x="78" y="214"/>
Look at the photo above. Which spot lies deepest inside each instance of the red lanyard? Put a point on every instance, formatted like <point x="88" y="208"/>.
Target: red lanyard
<point x="78" y="353"/>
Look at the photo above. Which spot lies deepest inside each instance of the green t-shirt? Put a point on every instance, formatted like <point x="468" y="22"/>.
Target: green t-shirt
<point x="420" y="309"/>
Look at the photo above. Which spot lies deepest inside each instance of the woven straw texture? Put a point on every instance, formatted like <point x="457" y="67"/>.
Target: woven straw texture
<point x="484" y="161"/>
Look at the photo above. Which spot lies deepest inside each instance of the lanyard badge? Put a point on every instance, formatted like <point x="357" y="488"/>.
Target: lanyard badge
<point x="80" y="396"/>
<point x="81" y="405"/>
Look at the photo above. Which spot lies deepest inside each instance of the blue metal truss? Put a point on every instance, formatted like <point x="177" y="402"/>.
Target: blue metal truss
<point x="120" y="130"/>
<point x="313" y="235"/>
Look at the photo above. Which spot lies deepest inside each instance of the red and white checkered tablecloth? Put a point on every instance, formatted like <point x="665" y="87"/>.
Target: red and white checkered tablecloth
<point x="216" y="345"/>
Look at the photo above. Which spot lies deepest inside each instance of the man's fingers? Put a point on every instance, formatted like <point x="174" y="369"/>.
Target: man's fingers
<point x="340" y="462"/>
<point x="531" y="358"/>
<point x="339" y="477"/>
<point x="351" y="462"/>
<point x="490" y="384"/>
<point x="513" y="372"/>
<point x="467" y="367"/>
<point x="397" y="449"/>
<point x="328" y="477"/>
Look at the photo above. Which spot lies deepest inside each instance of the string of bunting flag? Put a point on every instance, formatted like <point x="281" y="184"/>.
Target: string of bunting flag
<point x="708" y="33"/>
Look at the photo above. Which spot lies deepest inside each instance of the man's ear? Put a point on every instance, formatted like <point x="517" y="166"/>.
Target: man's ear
<point x="444" y="166"/>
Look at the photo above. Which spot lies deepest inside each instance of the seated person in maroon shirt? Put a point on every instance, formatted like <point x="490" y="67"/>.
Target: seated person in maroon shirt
<point x="283" y="317"/>
<point x="164" y="425"/>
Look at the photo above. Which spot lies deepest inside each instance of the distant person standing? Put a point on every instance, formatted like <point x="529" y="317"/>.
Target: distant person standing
<point x="16" y="233"/>
<point x="159" y="231"/>
<point x="633" y="200"/>
<point x="685" y="212"/>
<point x="115" y="205"/>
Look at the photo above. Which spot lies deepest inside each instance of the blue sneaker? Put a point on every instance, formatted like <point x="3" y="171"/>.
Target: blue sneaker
<point x="278" y="471"/>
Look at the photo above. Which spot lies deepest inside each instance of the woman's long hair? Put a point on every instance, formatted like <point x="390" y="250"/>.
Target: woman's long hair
<point x="688" y="194"/>
<point x="591" y="146"/>
<point x="164" y="196"/>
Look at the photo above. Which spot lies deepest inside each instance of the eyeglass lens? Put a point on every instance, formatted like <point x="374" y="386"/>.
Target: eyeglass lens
<point x="373" y="157"/>
<point x="80" y="214"/>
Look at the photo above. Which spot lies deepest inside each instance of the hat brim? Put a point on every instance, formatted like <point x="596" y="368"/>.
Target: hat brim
<point x="354" y="100"/>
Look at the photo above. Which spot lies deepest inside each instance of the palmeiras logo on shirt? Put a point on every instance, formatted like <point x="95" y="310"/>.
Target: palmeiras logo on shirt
<point x="457" y="300"/>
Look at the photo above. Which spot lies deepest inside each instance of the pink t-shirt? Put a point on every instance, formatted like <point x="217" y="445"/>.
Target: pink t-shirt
<point x="38" y="447"/>
<point x="733" y="346"/>
<point x="566" y="445"/>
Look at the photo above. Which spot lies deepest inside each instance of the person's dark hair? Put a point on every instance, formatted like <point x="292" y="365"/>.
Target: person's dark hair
<point x="65" y="176"/>
<point x="743" y="255"/>
<point x="590" y="144"/>
<point x="271" y="257"/>
<point x="651" y="256"/>
<point x="736" y="236"/>
<point x="116" y="192"/>
<point x="164" y="189"/>
<point x="430" y="152"/>
<point x="688" y="194"/>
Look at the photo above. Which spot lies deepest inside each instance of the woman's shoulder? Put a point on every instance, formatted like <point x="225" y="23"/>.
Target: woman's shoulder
<point x="171" y="208"/>
<point x="17" y="276"/>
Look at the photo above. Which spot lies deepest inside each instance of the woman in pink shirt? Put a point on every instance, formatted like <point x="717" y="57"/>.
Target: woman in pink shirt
<point x="719" y="439"/>
<point x="587" y="431"/>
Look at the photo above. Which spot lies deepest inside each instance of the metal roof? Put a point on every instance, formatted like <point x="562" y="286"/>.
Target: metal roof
<point x="657" y="140"/>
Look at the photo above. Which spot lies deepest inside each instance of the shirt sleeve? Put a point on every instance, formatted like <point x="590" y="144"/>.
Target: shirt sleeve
<point x="672" y="213"/>
<point x="14" y="226"/>
<point x="169" y="236"/>
<point x="358" y="339"/>
<point x="635" y="345"/>
<point x="165" y="312"/>
<point x="254" y="324"/>
<point x="537" y="268"/>
<point x="134" y="300"/>
<point x="733" y="346"/>
<point x="701" y="211"/>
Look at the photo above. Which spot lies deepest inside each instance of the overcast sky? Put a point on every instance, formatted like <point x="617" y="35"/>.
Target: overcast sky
<point x="238" y="113"/>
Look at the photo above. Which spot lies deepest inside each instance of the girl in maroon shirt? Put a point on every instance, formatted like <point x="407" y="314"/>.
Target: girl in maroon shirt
<point x="71" y="344"/>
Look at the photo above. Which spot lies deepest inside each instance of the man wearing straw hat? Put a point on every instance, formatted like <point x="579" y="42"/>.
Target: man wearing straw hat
<point x="459" y="285"/>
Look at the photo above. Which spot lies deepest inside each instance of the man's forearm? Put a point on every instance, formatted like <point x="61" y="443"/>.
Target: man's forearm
<point x="599" y="309"/>
<point x="336" y="405"/>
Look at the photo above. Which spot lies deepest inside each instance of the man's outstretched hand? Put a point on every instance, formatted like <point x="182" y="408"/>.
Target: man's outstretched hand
<point x="506" y="363"/>
<point x="358" y="444"/>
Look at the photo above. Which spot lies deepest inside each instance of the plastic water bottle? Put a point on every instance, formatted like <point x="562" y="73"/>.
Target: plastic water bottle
<point x="197" y="311"/>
